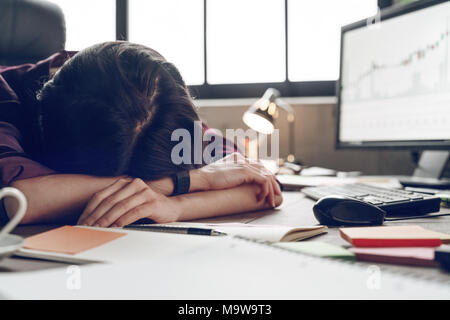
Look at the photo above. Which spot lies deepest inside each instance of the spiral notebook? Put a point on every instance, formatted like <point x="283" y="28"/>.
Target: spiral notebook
<point x="219" y="268"/>
<point x="121" y="246"/>
<point x="86" y="244"/>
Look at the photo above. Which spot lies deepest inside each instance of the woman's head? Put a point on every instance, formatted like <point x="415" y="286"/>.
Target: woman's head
<point x="111" y="110"/>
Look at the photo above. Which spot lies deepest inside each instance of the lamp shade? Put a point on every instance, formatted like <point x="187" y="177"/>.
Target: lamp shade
<point x="260" y="116"/>
<point x="258" y="122"/>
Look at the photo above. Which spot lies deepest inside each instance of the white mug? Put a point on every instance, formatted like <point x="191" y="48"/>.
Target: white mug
<point x="17" y="217"/>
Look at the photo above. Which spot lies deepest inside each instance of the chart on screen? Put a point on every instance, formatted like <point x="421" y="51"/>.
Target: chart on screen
<point x="396" y="78"/>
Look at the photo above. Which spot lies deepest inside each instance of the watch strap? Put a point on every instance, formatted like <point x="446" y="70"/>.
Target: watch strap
<point x="181" y="182"/>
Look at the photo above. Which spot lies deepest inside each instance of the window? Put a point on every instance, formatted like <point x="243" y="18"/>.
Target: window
<point x="85" y="27"/>
<point x="174" y="28"/>
<point x="314" y="35"/>
<point x="245" y="41"/>
<point x="228" y="48"/>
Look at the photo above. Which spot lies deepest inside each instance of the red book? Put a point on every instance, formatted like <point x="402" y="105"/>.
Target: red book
<point x="396" y="236"/>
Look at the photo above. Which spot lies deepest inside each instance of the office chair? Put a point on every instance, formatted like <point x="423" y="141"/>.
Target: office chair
<point x="31" y="30"/>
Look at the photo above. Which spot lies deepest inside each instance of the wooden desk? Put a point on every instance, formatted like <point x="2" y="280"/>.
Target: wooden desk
<point x="295" y="210"/>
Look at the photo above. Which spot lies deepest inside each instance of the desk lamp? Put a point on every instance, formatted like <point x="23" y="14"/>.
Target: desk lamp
<point x="262" y="114"/>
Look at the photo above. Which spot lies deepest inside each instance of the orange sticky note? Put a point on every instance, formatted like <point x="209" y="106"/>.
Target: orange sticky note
<point x="70" y="240"/>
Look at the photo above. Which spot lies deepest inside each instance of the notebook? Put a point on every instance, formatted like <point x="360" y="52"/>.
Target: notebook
<point x="269" y="233"/>
<point x="116" y="245"/>
<point x="200" y="268"/>
<point x="393" y="236"/>
<point x="412" y="256"/>
<point x="77" y="244"/>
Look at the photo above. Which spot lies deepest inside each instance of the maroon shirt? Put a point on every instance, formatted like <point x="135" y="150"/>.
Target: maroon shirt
<point x="15" y="164"/>
<point x="15" y="83"/>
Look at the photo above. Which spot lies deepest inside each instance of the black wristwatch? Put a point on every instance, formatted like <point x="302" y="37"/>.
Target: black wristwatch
<point x="181" y="182"/>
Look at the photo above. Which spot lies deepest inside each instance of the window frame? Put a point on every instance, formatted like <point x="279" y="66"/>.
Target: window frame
<point x="243" y="90"/>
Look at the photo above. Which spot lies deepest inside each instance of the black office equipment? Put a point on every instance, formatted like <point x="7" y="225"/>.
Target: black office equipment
<point x="394" y="88"/>
<point x="340" y="210"/>
<point x="394" y="202"/>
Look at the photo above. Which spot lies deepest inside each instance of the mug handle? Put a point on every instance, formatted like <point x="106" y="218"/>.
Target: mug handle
<point x="17" y="217"/>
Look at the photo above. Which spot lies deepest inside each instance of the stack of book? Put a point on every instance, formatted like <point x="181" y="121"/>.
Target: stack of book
<point x="410" y="245"/>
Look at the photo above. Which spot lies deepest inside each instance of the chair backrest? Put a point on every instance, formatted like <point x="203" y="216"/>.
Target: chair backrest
<point x="30" y="30"/>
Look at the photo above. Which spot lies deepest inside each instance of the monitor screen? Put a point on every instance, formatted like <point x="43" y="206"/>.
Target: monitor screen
<point x="394" y="86"/>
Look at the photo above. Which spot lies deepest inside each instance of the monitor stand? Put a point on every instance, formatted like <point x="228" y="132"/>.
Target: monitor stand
<point x="429" y="171"/>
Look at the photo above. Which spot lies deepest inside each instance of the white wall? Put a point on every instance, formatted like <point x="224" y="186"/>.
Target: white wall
<point x="315" y="136"/>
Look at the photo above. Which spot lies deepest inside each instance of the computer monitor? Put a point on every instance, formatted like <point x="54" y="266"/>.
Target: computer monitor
<point x="394" y="85"/>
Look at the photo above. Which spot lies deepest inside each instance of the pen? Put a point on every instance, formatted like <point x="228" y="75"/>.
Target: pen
<point x="175" y="229"/>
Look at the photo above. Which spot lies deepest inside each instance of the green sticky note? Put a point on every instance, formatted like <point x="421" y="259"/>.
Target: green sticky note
<point x="317" y="248"/>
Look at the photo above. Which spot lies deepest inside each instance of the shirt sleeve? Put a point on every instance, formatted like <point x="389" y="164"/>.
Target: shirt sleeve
<point x="228" y="147"/>
<point x="15" y="164"/>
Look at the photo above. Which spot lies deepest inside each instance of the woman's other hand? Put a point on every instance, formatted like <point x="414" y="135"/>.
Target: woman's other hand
<point x="235" y="170"/>
<point x="126" y="201"/>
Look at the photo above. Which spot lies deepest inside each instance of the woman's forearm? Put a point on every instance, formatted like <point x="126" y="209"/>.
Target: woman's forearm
<point x="60" y="198"/>
<point x="56" y="198"/>
<point x="222" y="202"/>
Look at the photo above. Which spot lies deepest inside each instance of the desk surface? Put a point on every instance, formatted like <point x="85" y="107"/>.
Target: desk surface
<point x="295" y="210"/>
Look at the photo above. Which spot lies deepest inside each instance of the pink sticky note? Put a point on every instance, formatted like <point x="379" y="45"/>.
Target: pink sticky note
<point x="393" y="236"/>
<point x="418" y="256"/>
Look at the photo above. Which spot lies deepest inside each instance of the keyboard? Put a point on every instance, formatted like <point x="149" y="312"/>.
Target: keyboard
<point x="393" y="201"/>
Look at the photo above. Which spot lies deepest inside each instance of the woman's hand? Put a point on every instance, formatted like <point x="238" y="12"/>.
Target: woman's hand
<point x="235" y="170"/>
<point x="126" y="201"/>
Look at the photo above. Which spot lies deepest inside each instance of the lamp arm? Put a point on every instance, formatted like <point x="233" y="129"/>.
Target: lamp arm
<point x="291" y="156"/>
<point x="285" y="106"/>
<point x="271" y="94"/>
<point x="291" y="120"/>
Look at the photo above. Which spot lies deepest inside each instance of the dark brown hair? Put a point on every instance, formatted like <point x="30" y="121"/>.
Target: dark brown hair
<point x="111" y="109"/>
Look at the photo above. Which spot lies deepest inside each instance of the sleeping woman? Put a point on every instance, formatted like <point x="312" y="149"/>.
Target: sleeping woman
<point x="87" y="138"/>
